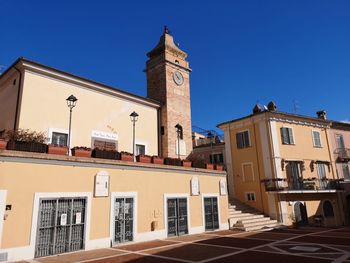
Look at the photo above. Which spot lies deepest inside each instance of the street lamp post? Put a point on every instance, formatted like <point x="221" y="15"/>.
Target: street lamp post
<point x="178" y="132"/>
<point x="133" y="117"/>
<point x="210" y="136"/>
<point x="71" y="102"/>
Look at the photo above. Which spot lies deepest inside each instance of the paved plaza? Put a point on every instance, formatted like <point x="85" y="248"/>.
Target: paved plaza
<point x="306" y="244"/>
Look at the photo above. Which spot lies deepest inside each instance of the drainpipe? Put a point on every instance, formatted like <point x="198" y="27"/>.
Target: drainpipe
<point x="257" y="158"/>
<point x="159" y="133"/>
<point x="330" y="154"/>
<point x="18" y="95"/>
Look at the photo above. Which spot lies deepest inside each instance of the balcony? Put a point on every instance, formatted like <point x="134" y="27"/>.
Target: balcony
<point x="302" y="185"/>
<point x="343" y="154"/>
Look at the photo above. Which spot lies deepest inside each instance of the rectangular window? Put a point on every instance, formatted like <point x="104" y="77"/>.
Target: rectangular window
<point x="242" y="139"/>
<point x="287" y="135"/>
<point x="59" y="138"/>
<point x="346" y="172"/>
<point x="340" y="141"/>
<point x="104" y="145"/>
<point x="316" y="137"/>
<point x="250" y="196"/>
<point x="321" y="170"/>
<point x="140" y="149"/>
<point x="216" y="158"/>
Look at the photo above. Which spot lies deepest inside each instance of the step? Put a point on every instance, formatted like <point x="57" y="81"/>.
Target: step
<point x="255" y="220"/>
<point x="247" y="215"/>
<point x="253" y="228"/>
<point x="252" y="224"/>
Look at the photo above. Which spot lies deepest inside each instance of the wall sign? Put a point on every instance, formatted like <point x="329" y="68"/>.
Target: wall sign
<point x="223" y="187"/>
<point x="63" y="220"/>
<point x="101" y="184"/>
<point x="104" y="135"/>
<point x="78" y="218"/>
<point x="194" y="186"/>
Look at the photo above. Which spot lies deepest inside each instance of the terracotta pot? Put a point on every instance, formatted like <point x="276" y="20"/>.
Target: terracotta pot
<point x="81" y="153"/>
<point x="219" y="167"/>
<point x="126" y="157"/>
<point x="27" y="146"/>
<point x="143" y="159"/>
<point x="3" y="144"/>
<point x="105" y="154"/>
<point x="210" y="166"/>
<point x="187" y="163"/>
<point x="59" y="150"/>
<point x="157" y="160"/>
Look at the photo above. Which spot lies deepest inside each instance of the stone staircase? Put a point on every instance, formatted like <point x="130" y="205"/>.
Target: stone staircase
<point x="246" y="218"/>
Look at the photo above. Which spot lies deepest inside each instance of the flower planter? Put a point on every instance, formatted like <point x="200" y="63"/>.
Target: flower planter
<point x="27" y="146"/>
<point x="219" y="167"/>
<point x="81" y="152"/>
<point x="55" y="149"/>
<point x="3" y="144"/>
<point x="105" y="154"/>
<point x="187" y="163"/>
<point x="143" y="159"/>
<point x="172" y="161"/>
<point x="157" y="160"/>
<point x="126" y="157"/>
<point x="210" y="166"/>
<point x="199" y="164"/>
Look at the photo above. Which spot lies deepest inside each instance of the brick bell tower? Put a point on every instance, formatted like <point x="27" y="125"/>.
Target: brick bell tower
<point x="168" y="75"/>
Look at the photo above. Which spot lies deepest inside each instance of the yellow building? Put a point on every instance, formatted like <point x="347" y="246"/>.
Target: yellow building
<point x="281" y="164"/>
<point x="52" y="204"/>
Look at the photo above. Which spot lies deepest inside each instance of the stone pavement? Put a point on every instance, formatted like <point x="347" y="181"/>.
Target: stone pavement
<point x="306" y="244"/>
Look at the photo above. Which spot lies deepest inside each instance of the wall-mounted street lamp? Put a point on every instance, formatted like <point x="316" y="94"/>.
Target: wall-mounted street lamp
<point x="71" y="102"/>
<point x="133" y="117"/>
<point x="179" y="135"/>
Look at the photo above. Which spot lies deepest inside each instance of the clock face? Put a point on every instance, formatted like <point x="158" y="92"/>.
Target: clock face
<point x="178" y="78"/>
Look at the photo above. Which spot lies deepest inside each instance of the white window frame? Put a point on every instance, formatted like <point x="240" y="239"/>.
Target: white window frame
<point x="142" y="143"/>
<point x="288" y="127"/>
<point x="248" y="193"/>
<point x="313" y="139"/>
<point x="115" y="195"/>
<point x="318" y="171"/>
<point x="58" y="130"/>
<point x="250" y="141"/>
<point x="340" y="135"/>
<point x="252" y="167"/>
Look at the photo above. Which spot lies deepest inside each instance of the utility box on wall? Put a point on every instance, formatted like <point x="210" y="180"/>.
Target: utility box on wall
<point x="101" y="184"/>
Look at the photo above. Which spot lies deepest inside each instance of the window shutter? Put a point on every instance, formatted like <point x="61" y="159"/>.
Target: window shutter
<point x="290" y="135"/>
<point x="284" y="135"/>
<point x="316" y="138"/>
<point x="239" y="140"/>
<point x="246" y="139"/>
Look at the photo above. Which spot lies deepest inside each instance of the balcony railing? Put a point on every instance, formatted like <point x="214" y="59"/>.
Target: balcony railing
<point x="310" y="184"/>
<point x="343" y="154"/>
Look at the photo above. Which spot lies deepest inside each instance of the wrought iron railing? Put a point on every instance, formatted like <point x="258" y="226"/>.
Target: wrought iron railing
<point x="313" y="184"/>
<point x="343" y="154"/>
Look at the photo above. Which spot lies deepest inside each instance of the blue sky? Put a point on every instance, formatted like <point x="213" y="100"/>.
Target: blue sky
<point x="292" y="52"/>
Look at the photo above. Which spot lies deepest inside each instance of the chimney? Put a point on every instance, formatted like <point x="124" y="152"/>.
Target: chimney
<point x="272" y="106"/>
<point x="322" y="114"/>
<point x="257" y="109"/>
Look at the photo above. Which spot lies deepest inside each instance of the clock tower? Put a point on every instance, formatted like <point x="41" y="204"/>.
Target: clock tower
<point x="168" y="73"/>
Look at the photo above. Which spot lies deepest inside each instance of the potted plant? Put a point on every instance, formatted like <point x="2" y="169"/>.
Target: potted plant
<point x="126" y="156"/>
<point x="219" y="167"/>
<point x="157" y="160"/>
<point x="57" y="149"/>
<point x="210" y="166"/>
<point x="105" y="154"/>
<point x="81" y="151"/>
<point x="143" y="158"/>
<point x="186" y="163"/>
<point x="26" y="140"/>
<point x="172" y="161"/>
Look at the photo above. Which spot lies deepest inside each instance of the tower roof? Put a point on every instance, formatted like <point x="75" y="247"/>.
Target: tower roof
<point x="166" y="43"/>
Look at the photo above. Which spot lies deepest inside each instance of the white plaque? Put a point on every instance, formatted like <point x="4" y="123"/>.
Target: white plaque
<point x="223" y="187"/>
<point x="104" y="135"/>
<point x="78" y="218"/>
<point x="101" y="184"/>
<point x="182" y="147"/>
<point x="63" y="221"/>
<point x="194" y="186"/>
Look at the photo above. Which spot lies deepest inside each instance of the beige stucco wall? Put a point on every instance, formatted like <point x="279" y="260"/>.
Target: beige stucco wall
<point x="8" y="99"/>
<point x="303" y="149"/>
<point x="44" y="107"/>
<point x="22" y="180"/>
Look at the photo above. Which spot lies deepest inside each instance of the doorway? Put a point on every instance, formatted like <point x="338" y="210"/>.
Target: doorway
<point x="177" y="216"/>
<point x="123" y="220"/>
<point x="211" y="214"/>
<point x="300" y="214"/>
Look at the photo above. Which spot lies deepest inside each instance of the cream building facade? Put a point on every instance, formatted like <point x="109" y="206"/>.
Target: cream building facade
<point x="281" y="164"/>
<point x="55" y="204"/>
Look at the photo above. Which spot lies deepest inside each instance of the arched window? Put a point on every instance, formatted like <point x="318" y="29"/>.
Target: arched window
<point x="328" y="209"/>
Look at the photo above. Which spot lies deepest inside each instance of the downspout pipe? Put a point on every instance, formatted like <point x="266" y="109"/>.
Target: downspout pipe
<point x="15" y="124"/>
